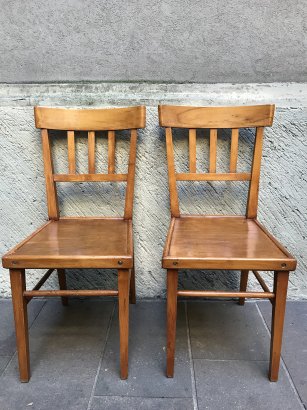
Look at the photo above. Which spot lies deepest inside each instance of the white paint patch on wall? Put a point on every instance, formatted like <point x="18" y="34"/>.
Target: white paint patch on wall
<point x="283" y="191"/>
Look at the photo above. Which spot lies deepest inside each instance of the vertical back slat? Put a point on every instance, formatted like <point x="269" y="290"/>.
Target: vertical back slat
<point x="213" y="142"/>
<point x="111" y="152"/>
<point x="171" y="174"/>
<point x="192" y="150"/>
<point x="52" y="198"/>
<point x="252" y="202"/>
<point x="71" y="152"/>
<point x="91" y="152"/>
<point x="234" y="149"/>
<point x="131" y="176"/>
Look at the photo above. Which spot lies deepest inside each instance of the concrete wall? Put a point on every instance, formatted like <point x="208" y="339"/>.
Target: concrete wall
<point x="202" y="41"/>
<point x="282" y="202"/>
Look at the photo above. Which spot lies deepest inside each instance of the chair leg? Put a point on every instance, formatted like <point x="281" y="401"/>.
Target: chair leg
<point x="132" y="296"/>
<point x="243" y="285"/>
<point x="123" y="312"/>
<point x="18" y="286"/>
<point x="278" y="314"/>
<point x="62" y="285"/>
<point x="172" y="285"/>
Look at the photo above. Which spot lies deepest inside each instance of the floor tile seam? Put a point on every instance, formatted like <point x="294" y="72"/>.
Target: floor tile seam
<point x="9" y="359"/>
<point x="38" y="313"/>
<point x="292" y="384"/>
<point x="191" y="362"/>
<point x="143" y="397"/>
<point x="15" y="352"/>
<point x="232" y="360"/>
<point x="101" y="358"/>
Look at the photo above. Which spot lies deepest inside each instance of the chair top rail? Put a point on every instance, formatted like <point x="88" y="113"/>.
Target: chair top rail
<point x="90" y="119"/>
<point x="216" y="117"/>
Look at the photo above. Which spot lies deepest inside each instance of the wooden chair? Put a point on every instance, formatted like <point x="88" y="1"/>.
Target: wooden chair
<point x="78" y="242"/>
<point x="222" y="242"/>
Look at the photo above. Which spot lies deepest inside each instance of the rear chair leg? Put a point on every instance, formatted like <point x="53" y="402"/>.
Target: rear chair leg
<point x="172" y="285"/>
<point x="132" y="297"/>
<point x="243" y="285"/>
<point x="123" y="311"/>
<point x="62" y="285"/>
<point x="278" y="314"/>
<point x="18" y="286"/>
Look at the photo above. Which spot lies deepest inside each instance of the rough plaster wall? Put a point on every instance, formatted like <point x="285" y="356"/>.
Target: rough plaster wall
<point x="163" y="40"/>
<point x="283" y="191"/>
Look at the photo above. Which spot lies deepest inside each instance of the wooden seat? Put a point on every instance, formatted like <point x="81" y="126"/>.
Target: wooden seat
<point x="79" y="242"/>
<point x="222" y="241"/>
<point x="244" y="244"/>
<point x="76" y="242"/>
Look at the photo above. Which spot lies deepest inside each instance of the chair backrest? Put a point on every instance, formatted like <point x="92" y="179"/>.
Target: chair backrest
<point x="214" y="118"/>
<point x="90" y="120"/>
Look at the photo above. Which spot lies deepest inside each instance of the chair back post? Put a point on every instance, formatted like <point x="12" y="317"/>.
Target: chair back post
<point x="253" y="191"/>
<point x="174" y="203"/>
<point x="131" y="176"/>
<point x="90" y="120"/>
<point x="51" y="190"/>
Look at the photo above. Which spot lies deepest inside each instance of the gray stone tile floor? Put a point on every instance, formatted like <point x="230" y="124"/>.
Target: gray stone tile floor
<point x="222" y="357"/>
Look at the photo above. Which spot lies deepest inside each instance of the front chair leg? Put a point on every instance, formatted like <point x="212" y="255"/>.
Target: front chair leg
<point x="123" y="312"/>
<point x="62" y="285"/>
<point x="18" y="286"/>
<point x="278" y="314"/>
<point x="243" y="285"/>
<point x="172" y="285"/>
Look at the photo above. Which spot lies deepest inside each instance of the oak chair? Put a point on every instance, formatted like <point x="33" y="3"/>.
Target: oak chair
<point x="222" y="242"/>
<point x="79" y="242"/>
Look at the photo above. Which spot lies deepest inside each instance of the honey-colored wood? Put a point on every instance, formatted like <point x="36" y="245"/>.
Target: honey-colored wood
<point x="172" y="285"/>
<point x="277" y="243"/>
<point x="131" y="175"/>
<point x="52" y="198"/>
<point x="90" y="178"/>
<point x="20" y="244"/>
<point x="169" y="238"/>
<point x="192" y="150"/>
<point x="71" y="152"/>
<point x="72" y="242"/>
<point x="79" y="242"/>
<point x="243" y="285"/>
<point x="213" y="143"/>
<point x="219" y="242"/>
<point x="91" y="152"/>
<point x="43" y="279"/>
<point x="82" y="262"/>
<point x="216" y="117"/>
<point x="171" y="174"/>
<point x="62" y="285"/>
<point x="123" y="313"/>
<point x="222" y="242"/>
<point x="234" y="150"/>
<point x="111" y="152"/>
<point x="132" y="294"/>
<point x="41" y="282"/>
<point x="90" y="119"/>
<point x="252" y="201"/>
<point x="243" y="176"/>
<point x="29" y="294"/>
<point x="261" y="281"/>
<point x="18" y="285"/>
<point x="278" y="316"/>
<point x="222" y="264"/>
<point x="225" y="294"/>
